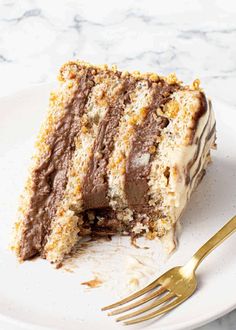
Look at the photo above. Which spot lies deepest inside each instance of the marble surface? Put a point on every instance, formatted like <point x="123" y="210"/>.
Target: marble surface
<point x="195" y="39"/>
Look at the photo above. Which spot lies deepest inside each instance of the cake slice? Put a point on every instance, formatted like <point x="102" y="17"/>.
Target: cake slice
<point x="119" y="153"/>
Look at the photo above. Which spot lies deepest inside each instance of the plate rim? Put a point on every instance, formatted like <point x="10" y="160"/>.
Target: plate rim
<point x="187" y="325"/>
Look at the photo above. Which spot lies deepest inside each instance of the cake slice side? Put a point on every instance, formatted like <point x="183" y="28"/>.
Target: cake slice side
<point x="48" y="173"/>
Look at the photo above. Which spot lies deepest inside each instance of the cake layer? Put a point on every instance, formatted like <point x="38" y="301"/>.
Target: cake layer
<point x="66" y="223"/>
<point x="49" y="177"/>
<point x="133" y="117"/>
<point x="95" y="186"/>
<point x="144" y="145"/>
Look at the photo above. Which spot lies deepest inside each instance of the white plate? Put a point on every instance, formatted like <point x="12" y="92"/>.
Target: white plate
<point x="36" y="296"/>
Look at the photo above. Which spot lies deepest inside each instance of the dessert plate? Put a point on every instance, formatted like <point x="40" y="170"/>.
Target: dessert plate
<point x="35" y="295"/>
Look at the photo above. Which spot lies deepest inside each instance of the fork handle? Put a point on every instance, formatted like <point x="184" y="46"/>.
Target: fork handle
<point x="228" y="229"/>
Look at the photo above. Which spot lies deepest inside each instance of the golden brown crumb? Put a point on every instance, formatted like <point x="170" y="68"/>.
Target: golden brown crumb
<point x="172" y="79"/>
<point x="134" y="282"/>
<point x="152" y="149"/>
<point x="95" y="283"/>
<point x="154" y="77"/>
<point x="84" y="129"/>
<point x="196" y="84"/>
<point x="151" y="235"/>
<point x="171" y="109"/>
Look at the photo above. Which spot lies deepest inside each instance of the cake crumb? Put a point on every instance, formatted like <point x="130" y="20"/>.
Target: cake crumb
<point x="68" y="270"/>
<point x="196" y="84"/>
<point x="134" y="282"/>
<point x="95" y="283"/>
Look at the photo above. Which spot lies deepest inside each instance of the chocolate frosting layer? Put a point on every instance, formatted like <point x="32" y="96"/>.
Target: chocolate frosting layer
<point x="50" y="177"/>
<point x="144" y="145"/>
<point x="95" y="186"/>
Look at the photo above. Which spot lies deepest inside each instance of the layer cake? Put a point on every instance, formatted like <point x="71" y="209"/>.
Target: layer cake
<point x="119" y="153"/>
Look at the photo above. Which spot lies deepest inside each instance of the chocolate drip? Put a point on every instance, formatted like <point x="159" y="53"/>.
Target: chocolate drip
<point x="144" y="145"/>
<point x="50" y="177"/>
<point x="209" y="136"/>
<point x="201" y="111"/>
<point x="198" y="114"/>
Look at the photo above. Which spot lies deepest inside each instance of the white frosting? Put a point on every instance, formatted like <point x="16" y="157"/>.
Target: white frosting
<point x="180" y="158"/>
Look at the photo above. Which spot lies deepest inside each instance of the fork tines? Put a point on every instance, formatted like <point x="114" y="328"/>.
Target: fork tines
<point x="162" y="296"/>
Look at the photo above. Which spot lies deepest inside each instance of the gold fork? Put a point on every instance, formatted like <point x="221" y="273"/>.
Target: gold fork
<point x="173" y="287"/>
